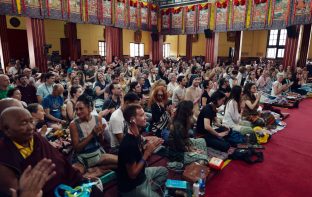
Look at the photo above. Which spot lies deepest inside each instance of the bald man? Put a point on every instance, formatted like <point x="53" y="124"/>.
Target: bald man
<point x="53" y="103"/>
<point x="21" y="146"/>
<point x="4" y="86"/>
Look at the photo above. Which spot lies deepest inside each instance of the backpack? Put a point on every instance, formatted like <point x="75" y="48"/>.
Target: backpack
<point x="249" y="155"/>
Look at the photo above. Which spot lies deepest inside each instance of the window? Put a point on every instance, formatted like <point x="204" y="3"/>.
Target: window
<point x="276" y="43"/>
<point x="102" y="48"/>
<point x="136" y="49"/>
<point x="166" y="50"/>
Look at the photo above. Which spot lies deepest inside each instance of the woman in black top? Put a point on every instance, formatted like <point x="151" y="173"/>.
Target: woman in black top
<point x="99" y="89"/>
<point x="205" y="99"/>
<point x="208" y="115"/>
<point x="182" y="147"/>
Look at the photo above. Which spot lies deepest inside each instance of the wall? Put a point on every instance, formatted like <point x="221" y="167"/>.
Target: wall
<point x="54" y="30"/>
<point x="199" y="47"/>
<point x="182" y="45"/>
<point x="310" y="48"/>
<point x="254" y="43"/>
<point x="224" y="45"/>
<point x="22" y="26"/>
<point x="173" y="41"/>
<point x="90" y="35"/>
<point x="128" y="37"/>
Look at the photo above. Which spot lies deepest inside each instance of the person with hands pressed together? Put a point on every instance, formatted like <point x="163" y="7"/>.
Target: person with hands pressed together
<point x="133" y="177"/>
<point x="87" y="134"/>
<point x="208" y="115"/>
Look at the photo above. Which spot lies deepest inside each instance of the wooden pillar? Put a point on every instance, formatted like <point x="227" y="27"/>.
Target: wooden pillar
<point x="36" y="43"/>
<point x="238" y="46"/>
<point x="72" y="41"/>
<point x="305" y="43"/>
<point x="212" y="46"/>
<point x="189" y="41"/>
<point x="4" y="43"/>
<point x="291" y="53"/>
<point x="113" y="38"/>
<point x="156" y="49"/>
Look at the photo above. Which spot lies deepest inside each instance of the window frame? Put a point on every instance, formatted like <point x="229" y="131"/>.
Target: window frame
<point x="164" y="51"/>
<point x="139" y="47"/>
<point x="277" y="46"/>
<point x="104" y="48"/>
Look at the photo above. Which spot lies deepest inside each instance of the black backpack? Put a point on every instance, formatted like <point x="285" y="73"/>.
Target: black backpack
<point x="249" y="155"/>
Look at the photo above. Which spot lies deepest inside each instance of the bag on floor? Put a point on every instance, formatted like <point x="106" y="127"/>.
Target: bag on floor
<point x="192" y="172"/>
<point x="235" y="138"/>
<point x="248" y="155"/>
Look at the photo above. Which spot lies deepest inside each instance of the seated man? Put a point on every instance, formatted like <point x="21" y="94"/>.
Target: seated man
<point x="117" y="121"/>
<point x="22" y="147"/>
<point x="53" y="103"/>
<point x="132" y="176"/>
<point x="113" y="102"/>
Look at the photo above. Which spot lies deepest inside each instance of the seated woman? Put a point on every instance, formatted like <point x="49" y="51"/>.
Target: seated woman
<point x="183" y="148"/>
<point x="277" y="87"/>
<point x="16" y="93"/>
<point x="208" y="115"/>
<point x="232" y="114"/>
<point x="74" y="92"/>
<point x="87" y="135"/>
<point x="205" y="98"/>
<point x="250" y="104"/>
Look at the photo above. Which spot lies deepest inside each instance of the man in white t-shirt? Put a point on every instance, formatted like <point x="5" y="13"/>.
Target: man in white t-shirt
<point x="116" y="121"/>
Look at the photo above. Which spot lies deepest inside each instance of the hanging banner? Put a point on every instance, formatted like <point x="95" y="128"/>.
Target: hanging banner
<point x="165" y="21"/>
<point x="8" y="7"/>
<point x="32" y="8"/>
<point x="92" y="11"/>
<point x="190" y="19"/>
<point x="301" y="12"/>
<point x="105" y="12"/>
<point x="238" y="18"/>
<point x="176" y="21"/>
<point x="144" y="13"/>
<point x="203" y="17"/>
<point x="280" y="12"/>
<point x="221" y="15"/>
<point x="133" y="15"/>
<point x="121" y="14"/>
<point x="55" y="9"/>
<point x="75" y="11"/>
<point x="153" y="22"/>
<point x="259" y="14"/>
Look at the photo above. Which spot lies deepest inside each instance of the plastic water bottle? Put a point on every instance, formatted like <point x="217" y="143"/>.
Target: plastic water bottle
<point x="202" y="183"/>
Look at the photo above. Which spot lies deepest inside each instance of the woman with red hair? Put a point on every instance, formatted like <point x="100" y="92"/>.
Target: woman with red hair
<point x="160" y="117"/>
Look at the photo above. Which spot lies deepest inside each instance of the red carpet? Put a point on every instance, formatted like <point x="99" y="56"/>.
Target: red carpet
<point x="287" y="167"/>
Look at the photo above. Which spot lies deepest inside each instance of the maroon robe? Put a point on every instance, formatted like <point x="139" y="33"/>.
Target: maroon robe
<point x="65" y="174"/>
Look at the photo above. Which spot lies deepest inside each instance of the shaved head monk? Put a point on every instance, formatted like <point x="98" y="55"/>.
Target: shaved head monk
<point x="21" y="146"/>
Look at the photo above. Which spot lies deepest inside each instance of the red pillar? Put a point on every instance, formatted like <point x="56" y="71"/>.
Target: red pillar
<point x="189" y="41"/>
<point x="156" y="50"/>
<point x="291" y="48"/>
<point x="72" y="41"/>
<point x="36" y="42"/>
<point x="211" y="53"/>
<point x="4" y="43"/>
<point x="304" y="45"/>
<point x="238" y="46"/>
<point x="113" y="39"/>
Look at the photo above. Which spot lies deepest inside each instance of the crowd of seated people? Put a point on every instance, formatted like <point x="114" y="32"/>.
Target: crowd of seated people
<point x="117" y="114"/>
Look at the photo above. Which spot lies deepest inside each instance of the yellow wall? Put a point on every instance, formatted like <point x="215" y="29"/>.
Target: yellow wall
<point x="54" y="31"/>
<point x="173" y="41"/>
<point x="21" y="26"/>
<point x="224" y="45"/>
<point x="254" y="43"/>
<point x="182" y="45"/>
<point x="128" y="37"/>
<point x="90" y="35"/>
<point x="310" y="48"/>
<point x="199" y="47"/>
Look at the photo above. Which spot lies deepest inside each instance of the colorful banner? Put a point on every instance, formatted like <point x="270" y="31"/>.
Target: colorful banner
<point x="32" y="8"/>
<point x="56" y="9"/>
<point x="238" y="17"/>
<point x="203" y="17"/>
<point x="144" y="17"/>
<point x="176" y="21"/>
<point x="105" y="12"/>
<point x="153" y="22"/>
<point x="221" y="18"/>
<point x="259" y="14"/>
<point x="8" y="7"/>
<point x="190" y="20"/>
<point x="92" y="12"/>
<point x="165" y="21"/>
<point x="75" y="10"/>
<point x="133" y="15"/>
<point x="280" y="12"/>
<point x="121" y="14"/>
<point x="301" y="12"/>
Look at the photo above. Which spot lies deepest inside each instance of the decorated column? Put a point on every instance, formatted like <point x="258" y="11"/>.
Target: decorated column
<point x="238" y="46"/>
<point x="305" y="43"/>
<point x="73" y="44"/>
<point x="291" y="53"/>
<point x="113" y="38"/>
<point x="189" y="40"/>
<point x="156" y="50"/>
<point x="36" y="43"/>
<point x="211" y="53"/>
<point x="4" y="43"/>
